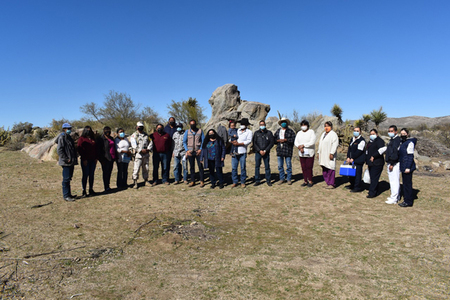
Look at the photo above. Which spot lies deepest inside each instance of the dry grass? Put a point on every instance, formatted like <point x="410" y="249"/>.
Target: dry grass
<point x="283" y="242"/>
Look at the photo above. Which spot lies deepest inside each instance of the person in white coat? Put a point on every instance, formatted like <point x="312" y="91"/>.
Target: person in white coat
<point x="328" y="145"/>
<point x="305" y="141"/>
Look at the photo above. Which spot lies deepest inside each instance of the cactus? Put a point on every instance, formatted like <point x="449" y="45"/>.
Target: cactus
<point x="5" y="136"/>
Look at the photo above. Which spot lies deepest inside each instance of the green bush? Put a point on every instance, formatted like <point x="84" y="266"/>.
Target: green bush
<point x="5" y="136"/>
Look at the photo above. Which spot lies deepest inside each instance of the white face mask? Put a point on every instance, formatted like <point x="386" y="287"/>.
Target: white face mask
<point x="242" y="127"/>
<point x="304" y="128"/>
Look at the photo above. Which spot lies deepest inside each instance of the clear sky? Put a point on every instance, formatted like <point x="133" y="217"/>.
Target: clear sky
<point x="58" y="55"/>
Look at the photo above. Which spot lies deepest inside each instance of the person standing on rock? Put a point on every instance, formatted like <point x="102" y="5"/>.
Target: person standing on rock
<point x="262" y="143"/>
<point x="141" y="147"/>
<point x="407" y="166"/>
<point x="393" y="167"/>
<point x="106" y="150"/>
<point x="192" y="142"/>
<point x="123" y="159"/>
<point x="329" y="142"/>
<point x="375" y="161"/>
<point x="162" y="148"/>
<point x="305" y="141"/>
<point x="285" y="138"/>
<point x="67" y="160"/>
<point x="356" y="155"/>
<point x="244" y="139"/>
<point x="179" y="155"/>
<point x="88" y="152"/>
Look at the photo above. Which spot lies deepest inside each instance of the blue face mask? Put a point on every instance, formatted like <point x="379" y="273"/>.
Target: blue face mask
<point x="68" y="131"/>
<point x="262" y="127"/>
<point x="122" y="134"/>
<point x="179" y="129"/>
<point x="373" y="136"/>
<point x="284" y="125"/>
<point x="355" y="133"/>
<point x="391" y="134"/>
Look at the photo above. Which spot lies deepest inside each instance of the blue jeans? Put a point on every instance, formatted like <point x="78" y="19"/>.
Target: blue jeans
<point x="281" y="160"/>
<point x="67" y="173"/>
<point x="88" y="171"/>
<point x="235" y="161"/>
<point x="161" y="158"/>
<point x="180" y="165"/>
<point x="266" y="159"/>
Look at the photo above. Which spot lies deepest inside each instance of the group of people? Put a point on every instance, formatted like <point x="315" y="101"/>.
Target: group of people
<point x="207" y="150"/>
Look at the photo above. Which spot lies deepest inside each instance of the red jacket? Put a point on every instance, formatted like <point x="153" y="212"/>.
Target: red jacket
<point x="86" y="148"/>
<point x="162" y="143"/>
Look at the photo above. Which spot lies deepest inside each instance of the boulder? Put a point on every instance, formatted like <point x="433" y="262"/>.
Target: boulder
<point x="422" y="158"/>
<point x="45" y="150"/>
<point x="226" y="104"/>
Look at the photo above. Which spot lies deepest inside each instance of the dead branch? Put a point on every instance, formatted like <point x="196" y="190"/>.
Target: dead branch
<point x="41" y="205"/>
<point x="52" y="252"/>
<point x="2" y="237"/>
<point x="146" y="223"/>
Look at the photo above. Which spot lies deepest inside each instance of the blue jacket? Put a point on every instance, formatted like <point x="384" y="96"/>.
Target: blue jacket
<point x="220" y="153"/>
<point x="407" y="159"/>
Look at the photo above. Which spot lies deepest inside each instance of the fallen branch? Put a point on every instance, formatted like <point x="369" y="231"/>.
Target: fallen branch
<point x="52" y="252"/>
<point x="146" y="223"/>
<point x="41" y="205"/>
<point x="6" y="265"/>
<point x="2" y="237"/>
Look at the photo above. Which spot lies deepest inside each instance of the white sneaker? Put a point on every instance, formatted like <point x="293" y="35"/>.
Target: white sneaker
<point x="391" y="201"/>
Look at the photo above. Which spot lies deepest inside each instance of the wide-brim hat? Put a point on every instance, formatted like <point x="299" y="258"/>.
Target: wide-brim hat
<point x="284" y="120"/>
<point x="244" y="121"/>
<point x="140" y="124"/>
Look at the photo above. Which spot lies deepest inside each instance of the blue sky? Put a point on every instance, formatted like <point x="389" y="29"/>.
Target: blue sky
<point x="304" y="55"/>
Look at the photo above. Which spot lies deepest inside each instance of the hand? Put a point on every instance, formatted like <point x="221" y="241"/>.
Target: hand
<point x="331" y="156"/>
<point x="407" y="171"/>
<point x="262" y="152"/>
<point x="348" y="160"/>
<point x="351" y="160"/>
<point x="235" y="143"/>
<point x="143" y="151"/>
<point x="302" y="150"/>
<point x="371" y="159"/>
<point x="391" y="167"/>
<point x="69" y="161"/>
<point x="173" y="155"/>
<point x="188" y="153"/>
<point x="198" y="152"/>
<point x="85" y="163"/>
<point x="222" y="159"/>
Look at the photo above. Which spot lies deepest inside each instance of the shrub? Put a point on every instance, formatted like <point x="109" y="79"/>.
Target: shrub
<point x="5" y="136"/>
<point x="16" y="142"/>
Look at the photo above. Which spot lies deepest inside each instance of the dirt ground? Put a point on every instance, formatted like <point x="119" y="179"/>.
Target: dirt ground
<point x="176" y="242"/>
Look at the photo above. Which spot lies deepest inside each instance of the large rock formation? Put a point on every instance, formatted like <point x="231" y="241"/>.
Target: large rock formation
<point x="226" y="104"/>
<point x="45" y="150"/>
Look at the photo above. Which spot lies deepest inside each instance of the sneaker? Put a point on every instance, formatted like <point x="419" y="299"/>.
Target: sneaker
<point x="404" y="204"/>
<point x="310" y="185"/>
<point x="391" y="201"/>
<point x="289" y="182"/>
<point x="84" y="194"/>
<point x="329" y="187"/>
<point x="69" y="199"/>
<point x="304" y="184"/>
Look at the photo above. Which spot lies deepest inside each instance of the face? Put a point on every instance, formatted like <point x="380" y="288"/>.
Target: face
<point x="391" y="130"/>
<point x="121" y="130"/>
<point x="357" y="130"/>
<point x="192" y="123"/>
<point x="232" y="125"/>
<point x="373" y="133"/>
<point x="159" y="128"/>
<point x="211" y="133"/>
<point x="262" y="124"/>
<point x="172" y="120"/>
<point x="140" y="128"/>
<point x="327" y="128"/>
<point x="403" y="133"/>
<point x="107" y="132"/>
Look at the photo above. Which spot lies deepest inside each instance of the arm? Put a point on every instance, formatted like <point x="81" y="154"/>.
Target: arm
<point x="334" y="144"/>
<point x="60" y="149"/>
<point x="381" y="149"/>
<point x="255" y="145"/>
<point x="312" y="139"/>
<point x="248" y="140"/>
<point x="290" y="137"/>
<point x="271" y="142"/>
<point x="185" y="141"/>
<point x="360" y="149"/>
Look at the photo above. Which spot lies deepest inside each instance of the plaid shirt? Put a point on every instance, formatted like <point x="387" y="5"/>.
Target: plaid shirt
<point x="285" y="149"/>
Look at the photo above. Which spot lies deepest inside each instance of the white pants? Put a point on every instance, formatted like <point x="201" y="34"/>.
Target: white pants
<point x="138" y="163"/>
<point x="394" y="181"/>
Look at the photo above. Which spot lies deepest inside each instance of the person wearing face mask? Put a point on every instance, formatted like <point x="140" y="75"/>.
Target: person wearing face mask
<point x="375" y="161"/>
<point x="192" y="142"/>
<point x="262" y="143"/>
<point x="88" y="152"/>
<point x="285" y="138"/>
<point x="142" y="147"/>
<point x="106" y="151"/>
<point x="329" y="142"/>
<point x="171" y="128"/>
<point x="244" y="139"/>
<point x="393" y="167"/>
<point x="232" y="134"/>
<point x="67" y="159"/>
<point x="407" y="166"/>
<point x="213" y="156"/>
<point x="356" y="156"/>
<point x="305" y="141"/>
<point x="162" y="148"/>
<point x="179" y="155"/>
<point x="123" y="159"/>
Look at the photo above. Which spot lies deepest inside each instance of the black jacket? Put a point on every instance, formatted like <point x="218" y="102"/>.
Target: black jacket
<point x="263" y="140"/>
<point x="358" y="156"/>
<point x="391" y="156"/>
<point x="372" y="150"/>
<point x="103" y="149"/>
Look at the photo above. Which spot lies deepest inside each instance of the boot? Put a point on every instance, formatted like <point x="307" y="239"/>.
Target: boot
<point x="135" y="184"/>
<point x="84" y="194"/>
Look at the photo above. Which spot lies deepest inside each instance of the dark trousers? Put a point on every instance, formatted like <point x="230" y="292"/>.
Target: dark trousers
<point x="88" y="171"/>
<point x="213" y="170"/>
<point x="307" y="164"/>
<point x="194" y="157"/>
<point x="408" y="196"/>
<point x="160" y="159"/>
<point x="107" y="167"/>
<point x="122" y="174"/>
<point x="356" y="182"/>
<point x="375" y="173"/>
<point x="266" y="159"/>
<point x="67" y="173"/>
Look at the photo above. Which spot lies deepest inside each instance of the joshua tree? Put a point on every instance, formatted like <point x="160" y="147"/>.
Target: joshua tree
<point x="378" y="116"/>
<point x="336" y="111"/>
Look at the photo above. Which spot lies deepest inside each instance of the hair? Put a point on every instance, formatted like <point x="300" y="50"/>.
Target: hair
<point x="87" y="132"/>
<point x="231" y="122"/>
<point x="374" y="130"/>
<point x="179" y="125"/>
<point x="192" y="120"/>
<point x="357" y="127"/>
<point x="304" y="122"/>
<point x="172" y="118"/>
<point x="329" y="124"/>
<point x="106" y="128"/>
<point x="159" y="124"/>
<point x="393" y="127"/>
<point x="119" y="129"/>
<point x="405" y="130"/>
<point x="206" y="139"/>
<point x="262" y="121"/>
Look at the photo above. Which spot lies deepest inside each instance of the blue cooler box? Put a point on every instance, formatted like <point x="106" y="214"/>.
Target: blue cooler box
<point x="347" y="170"/>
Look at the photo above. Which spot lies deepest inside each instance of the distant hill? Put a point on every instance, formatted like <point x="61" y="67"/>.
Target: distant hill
<point x="413" y="121"/>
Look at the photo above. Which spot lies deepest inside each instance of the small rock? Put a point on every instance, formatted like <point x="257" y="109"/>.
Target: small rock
<point x="194" y="223"/>
<point x="436" y="164"/>
<point x="422" y="158"/>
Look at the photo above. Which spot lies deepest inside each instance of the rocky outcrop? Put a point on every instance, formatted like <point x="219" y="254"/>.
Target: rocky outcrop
<point x="226" y="104"/>
<point x="44" y="151"/>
